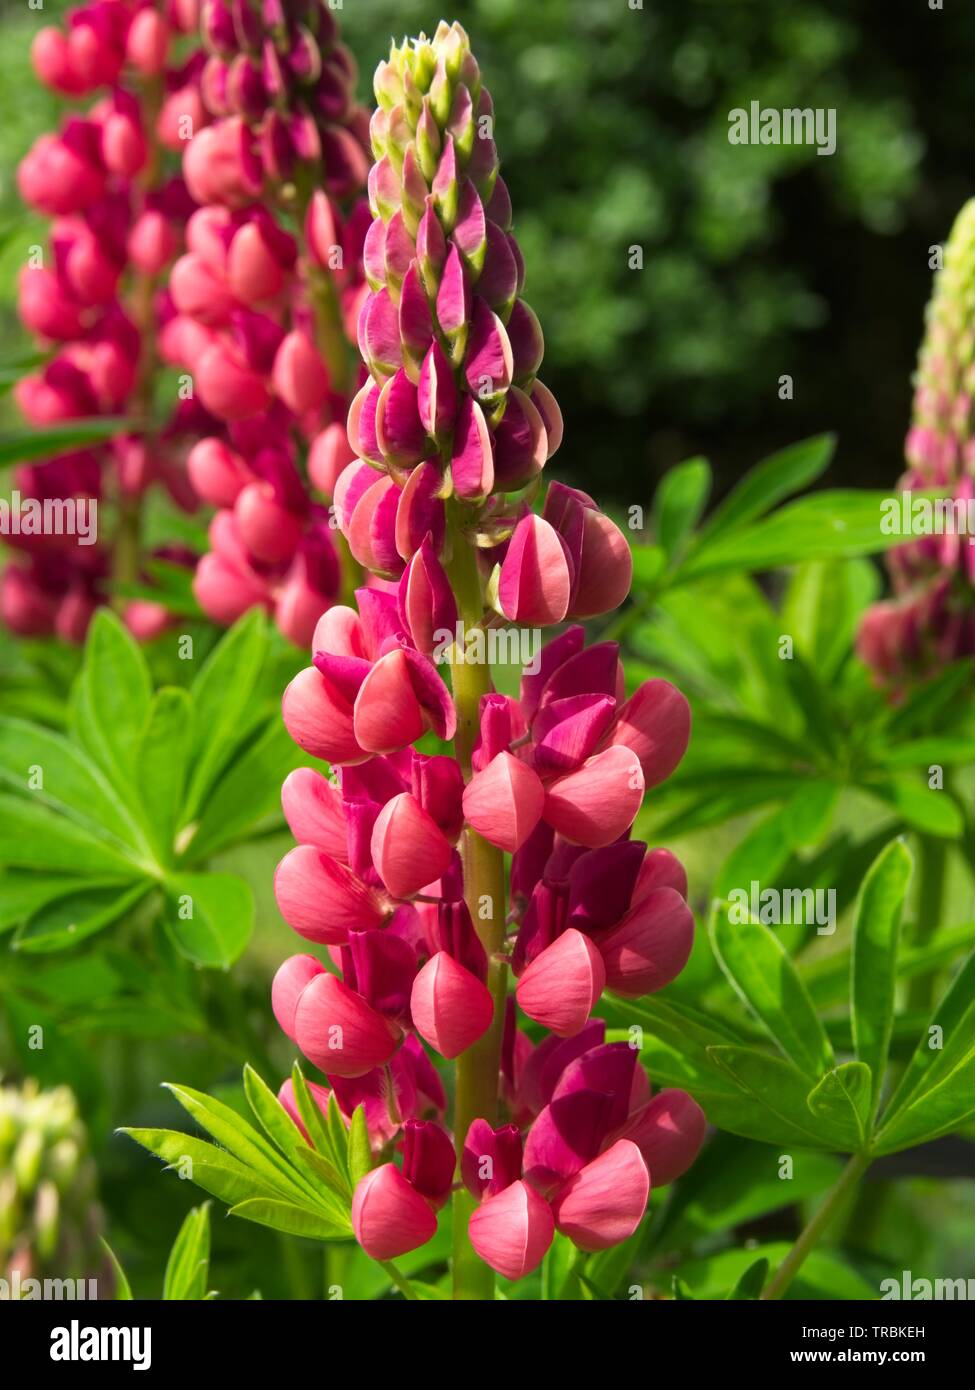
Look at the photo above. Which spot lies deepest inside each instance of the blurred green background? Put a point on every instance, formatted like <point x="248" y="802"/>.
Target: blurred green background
<point x="612" y="125"/>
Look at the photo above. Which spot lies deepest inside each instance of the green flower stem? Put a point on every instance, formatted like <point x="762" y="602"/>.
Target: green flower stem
<point x="477" y="1070"/>
<point x="816" y="1225"/>
<point x="400" y="1280"/>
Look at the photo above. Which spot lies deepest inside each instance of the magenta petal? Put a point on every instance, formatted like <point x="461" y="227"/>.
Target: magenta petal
<point x="608" y="1068"/>
<point x="420" y="511"/>
<point x="488" y="363"/>
<point x="650" y="946"/>
<point x="432" y="694"/>
<point x="389" y="1216"/>
<point x="535" y="581"/>
<point x="472" y="463"/>
<point x="550" y="1058"/>
<point x="669" y="1132"/>
<point x="561" y="985"/>
<point x="431" y="248"/>
<point x="373" y="254"/>
<point x="408" y="847"/>
<point x="492" y="1158"/>
<point x="566" y="732"/>
<point x="451" y="1008"/>
<point x="398" y="251"/>
<point x="286" y="989"/>
<point x="399" y="430"/>
<point x="565" y="1137"/>
<point x="415" y="319"/>
<point x="338" y="1031"/>
<point x="597" y="803"/>
<point x="555" y="654"/>
<point x="548" y="408"/>
<point x="520" y="443"/>
<point x="470" y="232"/>
<point x="512" y="1231"/>
<point x="437" y="393"/>
<point x="504" y="802"/>
<point x="604" y="1203"/>
<point x="602" y="884"/>
<point x="427" y="605"/>
<point x="362" y="423"/>
<point x="453" y="296"/>
<point x="656" y="723"/>
<point x="527" y="343"/>
<point x="322" y="899"/>
<point x="595" y="668"/>
<point x="313" y="809"/>
<point x="498" y="281"/>
<point x="387" y="714"/>
<point x="379" y="339"/>
<point x="428" y="1160"/>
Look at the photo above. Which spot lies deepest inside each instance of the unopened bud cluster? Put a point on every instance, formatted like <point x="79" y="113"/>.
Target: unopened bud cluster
<point x="450" y="435"/>
<point x="49" y="1215"/>
<point x="930" y="620"/>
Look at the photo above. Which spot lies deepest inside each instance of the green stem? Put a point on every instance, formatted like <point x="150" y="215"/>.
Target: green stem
<point x="477" y="1069"/>
<point x="816" y="1225"/>
<point x="400" y="1280"/>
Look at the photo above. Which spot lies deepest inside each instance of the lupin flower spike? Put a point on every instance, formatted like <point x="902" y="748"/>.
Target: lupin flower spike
<point x="399" y="869"/>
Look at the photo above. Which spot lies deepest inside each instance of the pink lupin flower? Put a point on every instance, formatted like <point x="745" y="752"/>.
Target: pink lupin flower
<point x="513" y="1230"/>
<point x="563" y="983"/>
<point x="604" y="1202"/>
<point x="337" y="1030"/>
<point x="389" y="1216"/>
<point x="451" y="1007"/>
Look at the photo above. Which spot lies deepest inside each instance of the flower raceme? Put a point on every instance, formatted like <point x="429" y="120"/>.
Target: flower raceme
<point x="448" y="438"/>
<point x="930" y="620"/>
<point x="95" y="300"/>
<point x="265" y="302"/>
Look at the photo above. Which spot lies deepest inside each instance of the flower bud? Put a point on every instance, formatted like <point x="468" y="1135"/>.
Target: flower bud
<point x="512" y="1231"/>
<point x="389" y="1216"/>
<point x="337" y="1030"/>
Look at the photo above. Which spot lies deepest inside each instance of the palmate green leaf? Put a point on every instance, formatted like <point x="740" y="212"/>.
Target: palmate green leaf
<point x="825" y="526"/>
<point x="113" y="695"/>
<point x="33" y="836"/>
<point x="953" y="1017"/>
<point x="248" y="792"/>
<point x="767" y="982"/>
<point x="924" y="752"/>
<point x="311" y="1117"/>
<point x="282" y="1131"/>
<point x="243" y="1142"/>
<point x="210" y="917"/>
<point x="920" y="806"/>
<point x="22" y="894"/>
<point x="821" y="610"/>
<point x="292" y="1219"/>
<point x="188" y="1266"/>
<point x="842" y="1102"/>
<point x="770" y="482"/>
<point x="942" y="1104"/>
<point x="922" y="1099"/>
<point x="779" y="1088"/>
<point x="221" y="697"/>
<point x="209" y="1167"/>
<point x="828" y="977"/>
<point x="734" y="1181"/>
<point x="70" y="783"/>
<point x="751" y="1283"/>
<point x="679" y="502"/>
<point x="325" y="1171"/>
<point x="69" y="920"/>
<point x="161" y="767"/>
<point x="874" y="966"/>
<point x="924" y="707"/>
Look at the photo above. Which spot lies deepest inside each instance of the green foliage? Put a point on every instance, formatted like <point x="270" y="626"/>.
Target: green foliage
<point x="137" y="797"/>
<point x="282" y="1181"/>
